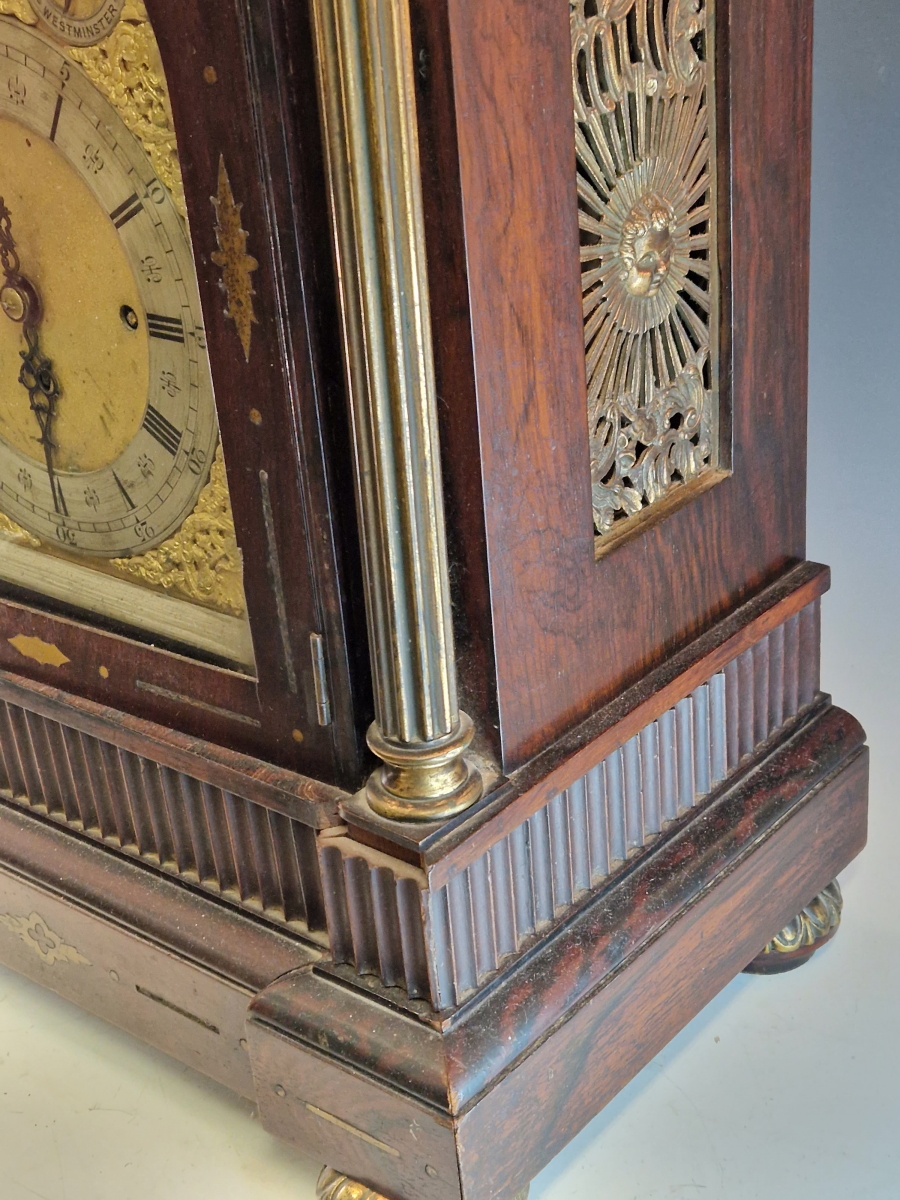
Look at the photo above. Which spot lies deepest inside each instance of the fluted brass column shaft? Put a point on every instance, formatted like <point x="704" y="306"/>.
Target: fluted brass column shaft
<point x="366" y="88"/>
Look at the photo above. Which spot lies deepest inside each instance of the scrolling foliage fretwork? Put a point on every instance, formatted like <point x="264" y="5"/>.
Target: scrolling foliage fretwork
<point x="644" y="131"/>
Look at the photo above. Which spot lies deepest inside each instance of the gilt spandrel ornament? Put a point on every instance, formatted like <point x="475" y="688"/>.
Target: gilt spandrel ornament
<point x="644" y="130"/>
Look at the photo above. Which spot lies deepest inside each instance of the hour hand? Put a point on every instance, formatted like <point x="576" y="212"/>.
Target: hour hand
<point x="39" y="380"/>
<point x="21" y="302"/>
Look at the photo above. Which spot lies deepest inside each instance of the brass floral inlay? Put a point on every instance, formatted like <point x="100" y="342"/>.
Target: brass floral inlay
<point x="232" y="257"/>
<point x="37" y="934"/>
<point x="201" y="562"/>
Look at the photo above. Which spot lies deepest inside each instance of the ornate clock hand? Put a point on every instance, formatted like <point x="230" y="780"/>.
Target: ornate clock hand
<point x="39" y="380"/>
<point x="21" y="302"/>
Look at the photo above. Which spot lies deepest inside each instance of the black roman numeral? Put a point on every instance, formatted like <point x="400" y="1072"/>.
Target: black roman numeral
<point x="56" y="112"/>
<point x="127" y="209"/>
<point x="168" y="329"/>
<point x="164" y="431"/>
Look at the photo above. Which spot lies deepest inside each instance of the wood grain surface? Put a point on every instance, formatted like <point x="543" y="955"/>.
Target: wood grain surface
<point x="566" y="633"/>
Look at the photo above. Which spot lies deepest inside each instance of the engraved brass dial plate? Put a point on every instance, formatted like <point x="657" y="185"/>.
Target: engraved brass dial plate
<point x="98" y="235"/>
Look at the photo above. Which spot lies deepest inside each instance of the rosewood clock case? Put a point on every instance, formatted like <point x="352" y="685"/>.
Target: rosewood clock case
<point x="508" y="800"/>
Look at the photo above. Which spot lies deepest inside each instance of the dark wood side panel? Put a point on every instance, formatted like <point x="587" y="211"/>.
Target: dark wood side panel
<point x="229" y="82"/>
<point x="568" y="632"/>
<point x="454" y="369"/>
<point x="573" y="1074"/>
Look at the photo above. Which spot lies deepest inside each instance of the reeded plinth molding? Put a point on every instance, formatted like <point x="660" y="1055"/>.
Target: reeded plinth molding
<point x="367" y="96"/>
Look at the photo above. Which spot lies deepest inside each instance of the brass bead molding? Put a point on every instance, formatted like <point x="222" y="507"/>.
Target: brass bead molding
<point x="367" y="98"/>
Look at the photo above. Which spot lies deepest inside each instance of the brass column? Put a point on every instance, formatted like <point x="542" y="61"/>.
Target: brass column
<point x="366" y="89"/>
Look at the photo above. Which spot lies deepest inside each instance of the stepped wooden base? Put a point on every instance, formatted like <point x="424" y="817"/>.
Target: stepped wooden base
<point x="469" y="1103"/>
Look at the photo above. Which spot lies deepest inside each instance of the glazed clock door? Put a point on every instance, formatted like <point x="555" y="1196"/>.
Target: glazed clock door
<point x="107" y="419"/>
<point x="132" y="568"/>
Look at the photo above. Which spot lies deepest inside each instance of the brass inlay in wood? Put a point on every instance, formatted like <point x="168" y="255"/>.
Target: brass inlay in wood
<point x="236" y="264"/>
<point x="360" y="1133"/>
<point x="38" y="936"/>
<point x="42" y="652"/>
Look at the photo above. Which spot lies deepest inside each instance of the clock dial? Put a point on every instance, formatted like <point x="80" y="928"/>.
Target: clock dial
<point x="116" y="463"/>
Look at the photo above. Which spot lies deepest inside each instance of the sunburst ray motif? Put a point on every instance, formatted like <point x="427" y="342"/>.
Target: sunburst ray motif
<point x="644" y="131"/>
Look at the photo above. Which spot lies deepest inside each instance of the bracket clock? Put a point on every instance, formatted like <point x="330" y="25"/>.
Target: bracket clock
<point x="409" y="692"/>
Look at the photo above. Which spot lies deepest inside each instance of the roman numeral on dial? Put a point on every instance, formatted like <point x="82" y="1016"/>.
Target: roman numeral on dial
<point x="168" y="329"/>
<point x="127" y="209"/>
<point x="164" y="431"/>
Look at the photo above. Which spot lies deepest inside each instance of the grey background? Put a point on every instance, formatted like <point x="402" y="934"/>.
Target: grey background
<point x="785" y="1088"/>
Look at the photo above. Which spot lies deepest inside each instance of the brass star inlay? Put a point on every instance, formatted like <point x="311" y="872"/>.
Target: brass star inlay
<point x="236" y="264"/>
